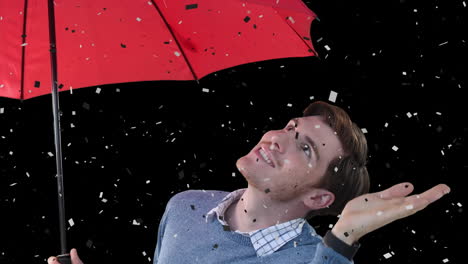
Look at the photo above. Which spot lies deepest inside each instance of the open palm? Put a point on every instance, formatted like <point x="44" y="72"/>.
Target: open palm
<point x="371" y="211"/>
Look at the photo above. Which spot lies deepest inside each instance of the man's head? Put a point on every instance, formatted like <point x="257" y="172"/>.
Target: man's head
<point x="317" y="161"/>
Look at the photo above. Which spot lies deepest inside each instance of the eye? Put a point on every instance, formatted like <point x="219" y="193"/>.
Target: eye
<point x="306" y="149"/>
<point x="289" y="127"/>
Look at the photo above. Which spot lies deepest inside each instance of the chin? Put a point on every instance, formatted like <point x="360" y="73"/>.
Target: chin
<point x="249" y="169"/>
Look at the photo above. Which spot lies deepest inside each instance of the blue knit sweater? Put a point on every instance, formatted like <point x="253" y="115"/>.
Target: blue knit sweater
<point x="184" y="236"/>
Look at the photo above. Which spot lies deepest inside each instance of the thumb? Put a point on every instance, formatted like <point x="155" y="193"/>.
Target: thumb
<point x="74" y="257"/>
<point x="396" y="191"/>
<point x="52" y="260"/>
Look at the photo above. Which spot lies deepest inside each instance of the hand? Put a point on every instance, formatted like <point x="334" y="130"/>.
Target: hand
<point x="73" y="255"/>
<point x="371" y="211"/>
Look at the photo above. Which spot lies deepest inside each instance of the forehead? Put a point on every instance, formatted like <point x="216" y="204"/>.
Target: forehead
<point x="315" y="127"/>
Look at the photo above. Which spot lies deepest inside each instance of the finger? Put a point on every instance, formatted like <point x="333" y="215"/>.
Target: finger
<point x="396" y="191"/>
<point x="74" y="257"/>
<point x="52" y="260"/>
<point x="433" y="194"/>
<point x="417" y="202"/>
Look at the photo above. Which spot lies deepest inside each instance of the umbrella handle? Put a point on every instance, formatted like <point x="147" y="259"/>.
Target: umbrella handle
<point x="64" y="259"/>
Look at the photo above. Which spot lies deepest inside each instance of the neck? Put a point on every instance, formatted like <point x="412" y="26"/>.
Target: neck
<point x="256" y="210"/>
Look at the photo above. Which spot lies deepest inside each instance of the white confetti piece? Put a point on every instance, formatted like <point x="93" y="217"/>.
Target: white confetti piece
<point x="50" y="154"/>
<point x="412" y="231"/>
<point x="379" y="213"/>
<point x="317" y="126"/>
<point x="438" y="113"/>
<point x="387" y="255"/>
<point x="233" y="174"/>
<point x="332" y="97"/>
<point x="330" y="226"/>
<point x="310" y="165"/>
<point x="364" y="130"/>
<point x="464" y="4"/>
<point x="395" y="148"/>
<point x="205" y="90"/>
<point x="409" y="207"/>
<point x="70" y="221"/>
<point x="148" y="181"/>
<point x="135" y="222"/>
<point x="2" y="110"/>
<point x="175" y="235"/>
<point x="24" y="44"/>
<point x="177" y="53"/>
<point x="311" y="98"/>
<point x="327" y="47"/>
<point x="266" y="179"/>
<point x="443" y="154"/>
<point x="138" y="19"/>
<point x="443" y="43"/>
<point x="73" y="112"/>
<point x="104" y="200"/>
<point x="100" y="194"/>
<point x="144" y="253"/>
<point x="386" y="125"/>
<point x="27" y="174"/>
<point x="289" y="105"/>
<point x="13" y="184"/>
<point x="98" y="90"/>
<point x="336" y="169"/>
<point x="459" y="204"/>
<point x="409" y="115"/>
<point x="445" y="260"/>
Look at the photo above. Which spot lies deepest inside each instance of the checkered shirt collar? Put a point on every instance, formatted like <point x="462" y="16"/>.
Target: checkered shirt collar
<point x="265" y="241"/>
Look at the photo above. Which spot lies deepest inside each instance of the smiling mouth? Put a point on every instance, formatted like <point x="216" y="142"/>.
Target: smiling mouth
<point x="262" y="154"/>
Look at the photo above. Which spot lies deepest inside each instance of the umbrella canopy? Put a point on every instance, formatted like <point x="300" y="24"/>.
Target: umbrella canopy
<point x="106" y="41"/>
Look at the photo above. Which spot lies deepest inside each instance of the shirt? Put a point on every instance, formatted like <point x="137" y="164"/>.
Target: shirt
<point x="265" y="241"/>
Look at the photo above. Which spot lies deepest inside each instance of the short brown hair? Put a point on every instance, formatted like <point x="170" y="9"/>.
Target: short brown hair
<point x="346" y="176"/>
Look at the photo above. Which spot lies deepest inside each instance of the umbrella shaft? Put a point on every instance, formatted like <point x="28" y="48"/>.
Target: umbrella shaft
<point x="57" y="139"/>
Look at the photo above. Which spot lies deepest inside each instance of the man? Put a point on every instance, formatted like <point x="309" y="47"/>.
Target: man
<point x="316" y="165"/>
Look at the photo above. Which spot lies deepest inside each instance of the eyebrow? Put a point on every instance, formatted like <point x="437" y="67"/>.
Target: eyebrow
<point x="309" y="140"/>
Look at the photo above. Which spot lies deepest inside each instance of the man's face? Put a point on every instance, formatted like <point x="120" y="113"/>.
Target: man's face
<point x="286" y="161"/>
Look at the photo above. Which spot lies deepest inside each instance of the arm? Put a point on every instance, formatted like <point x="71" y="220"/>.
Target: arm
<point x="162" y="226"/>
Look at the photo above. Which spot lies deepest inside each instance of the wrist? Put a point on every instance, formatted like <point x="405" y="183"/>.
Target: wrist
<point x="344" y="235"/>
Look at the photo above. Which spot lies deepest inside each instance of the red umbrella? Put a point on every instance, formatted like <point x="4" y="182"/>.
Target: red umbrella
<point x="74" y="44"/>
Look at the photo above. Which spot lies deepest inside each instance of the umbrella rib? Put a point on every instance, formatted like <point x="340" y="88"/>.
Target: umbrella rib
<point x="23" y="49"/>
<point x="175" y="39"/>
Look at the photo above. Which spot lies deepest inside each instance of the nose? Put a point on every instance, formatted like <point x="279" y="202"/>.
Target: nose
<point x="278" y="139"/>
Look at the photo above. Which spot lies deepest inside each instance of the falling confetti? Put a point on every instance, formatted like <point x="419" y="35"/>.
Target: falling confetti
<point x="332" y="97"/>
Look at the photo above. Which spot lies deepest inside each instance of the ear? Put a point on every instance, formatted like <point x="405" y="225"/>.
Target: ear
<point x="318" y="199"/>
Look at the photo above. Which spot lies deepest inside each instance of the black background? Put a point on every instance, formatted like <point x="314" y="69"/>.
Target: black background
<point x="178" y="137"/>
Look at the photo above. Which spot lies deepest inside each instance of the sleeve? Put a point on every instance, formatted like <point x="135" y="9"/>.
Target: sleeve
<point x="162" y="227"/>
<point x="331" y="250"/>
